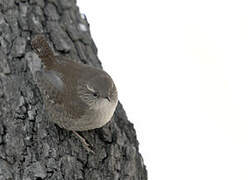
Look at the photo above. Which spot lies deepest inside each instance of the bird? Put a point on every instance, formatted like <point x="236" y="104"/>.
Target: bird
<point x="76" y="96"/>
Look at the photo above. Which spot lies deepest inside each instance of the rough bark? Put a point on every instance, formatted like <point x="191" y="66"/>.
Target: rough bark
<point x="31" y="147"/>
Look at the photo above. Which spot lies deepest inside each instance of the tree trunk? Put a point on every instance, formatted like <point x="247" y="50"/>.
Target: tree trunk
<point x="32" y="147"/>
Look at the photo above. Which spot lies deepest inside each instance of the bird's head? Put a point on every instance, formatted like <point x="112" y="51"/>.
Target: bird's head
<point x="99" y="91"/>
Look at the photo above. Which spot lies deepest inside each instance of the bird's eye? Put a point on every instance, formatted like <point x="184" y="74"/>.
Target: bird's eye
<point x="95" y="94"/>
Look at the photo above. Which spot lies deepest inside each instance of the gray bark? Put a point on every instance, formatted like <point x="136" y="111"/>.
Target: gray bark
<point x="31" y="147"/>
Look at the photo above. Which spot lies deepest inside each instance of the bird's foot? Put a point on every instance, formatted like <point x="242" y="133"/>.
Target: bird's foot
<point x="84" y="143"/>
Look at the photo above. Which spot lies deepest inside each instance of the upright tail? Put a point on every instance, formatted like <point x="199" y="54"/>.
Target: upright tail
<point x="41" y="47"/>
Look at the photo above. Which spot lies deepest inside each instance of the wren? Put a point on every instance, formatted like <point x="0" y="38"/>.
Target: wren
<point x="77" y="97"/>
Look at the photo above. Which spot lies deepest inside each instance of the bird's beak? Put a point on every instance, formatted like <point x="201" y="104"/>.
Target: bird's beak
<point x="108" y="98"/>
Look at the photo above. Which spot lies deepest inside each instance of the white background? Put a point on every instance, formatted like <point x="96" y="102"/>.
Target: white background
<point x="182" y="74"/>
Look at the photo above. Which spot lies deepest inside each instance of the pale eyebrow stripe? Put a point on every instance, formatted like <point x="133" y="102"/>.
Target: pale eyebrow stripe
<point x="91" y="89"/>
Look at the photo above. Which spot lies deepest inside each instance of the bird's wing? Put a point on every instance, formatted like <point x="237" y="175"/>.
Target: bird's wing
<point x="55" y="79"/>
<point x="51" y="85"/>
<point x="54" y="90"/>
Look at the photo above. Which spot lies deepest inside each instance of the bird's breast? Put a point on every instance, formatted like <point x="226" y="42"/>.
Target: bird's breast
<point x="95" y="117"/>
<point x="102" y="113"/>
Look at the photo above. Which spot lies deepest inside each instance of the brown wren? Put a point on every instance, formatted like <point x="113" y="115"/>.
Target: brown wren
<point x="77" y="97"/>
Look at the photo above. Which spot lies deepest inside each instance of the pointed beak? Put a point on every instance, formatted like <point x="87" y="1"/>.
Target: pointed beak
<point x="108" y="98"/>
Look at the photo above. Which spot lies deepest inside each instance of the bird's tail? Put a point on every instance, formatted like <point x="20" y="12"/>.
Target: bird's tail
<point x="43" y="50"/>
